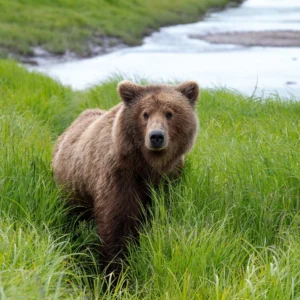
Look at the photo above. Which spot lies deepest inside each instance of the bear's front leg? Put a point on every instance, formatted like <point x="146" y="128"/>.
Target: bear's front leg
<point x="116" y="224"/>
<point x="113" y="244"/>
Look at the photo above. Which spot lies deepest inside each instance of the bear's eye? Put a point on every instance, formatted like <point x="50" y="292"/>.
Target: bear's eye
<point x="146" y="116"/>
<point x="169" y="115"/>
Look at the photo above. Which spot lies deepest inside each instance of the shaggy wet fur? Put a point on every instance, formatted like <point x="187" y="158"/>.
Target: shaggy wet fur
<point x="105" y="161"/>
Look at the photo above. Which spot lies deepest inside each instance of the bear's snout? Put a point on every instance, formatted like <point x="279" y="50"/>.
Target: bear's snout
<point x="157" y="138"/>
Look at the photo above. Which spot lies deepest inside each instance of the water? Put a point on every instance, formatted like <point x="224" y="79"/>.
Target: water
<point x="171" y="54"/>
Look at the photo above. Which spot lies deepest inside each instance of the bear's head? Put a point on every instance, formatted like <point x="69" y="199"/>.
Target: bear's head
<point x="159" y="120"/>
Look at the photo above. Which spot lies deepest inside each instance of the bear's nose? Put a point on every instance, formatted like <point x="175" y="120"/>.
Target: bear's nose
<point x="157" y="138"/>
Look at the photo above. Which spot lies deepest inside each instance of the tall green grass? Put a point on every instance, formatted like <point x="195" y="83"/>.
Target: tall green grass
<point x="227" y="229"/>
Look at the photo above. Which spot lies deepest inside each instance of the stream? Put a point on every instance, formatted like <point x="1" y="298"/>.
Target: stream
<point x="251" y="48"/>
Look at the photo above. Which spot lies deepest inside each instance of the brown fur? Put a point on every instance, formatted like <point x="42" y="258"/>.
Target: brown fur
<point x="105" y="160"/>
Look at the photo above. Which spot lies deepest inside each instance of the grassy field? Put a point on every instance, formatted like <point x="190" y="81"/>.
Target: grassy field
<point x="78" y="26"/>
<point x="228" y="229"/>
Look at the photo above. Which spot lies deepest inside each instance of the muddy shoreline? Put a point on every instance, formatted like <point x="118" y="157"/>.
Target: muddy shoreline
<point x="41" y="56"/>
<point x="267" y="38"/>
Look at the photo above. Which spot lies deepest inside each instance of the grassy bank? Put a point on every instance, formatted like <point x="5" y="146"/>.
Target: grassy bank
<point x="79" y="26"/>
<point x="229" y="229"/>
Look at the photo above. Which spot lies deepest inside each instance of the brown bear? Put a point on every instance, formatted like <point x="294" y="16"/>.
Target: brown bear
<point x="107" y="159"/>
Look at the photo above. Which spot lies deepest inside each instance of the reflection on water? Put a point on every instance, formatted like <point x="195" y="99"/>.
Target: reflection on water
<point x="172" y="54"/>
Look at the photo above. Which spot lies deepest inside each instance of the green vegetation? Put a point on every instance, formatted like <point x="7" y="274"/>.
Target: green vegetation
<point x="60" y="25"/>
<point x="228" y="229"/>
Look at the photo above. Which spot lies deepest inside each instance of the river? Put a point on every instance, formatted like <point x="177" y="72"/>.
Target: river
<point x="184" y="52"/>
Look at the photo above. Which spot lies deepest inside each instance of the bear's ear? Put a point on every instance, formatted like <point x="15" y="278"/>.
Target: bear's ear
<point x="190" y="90"/>
<point x="129" y="91"/>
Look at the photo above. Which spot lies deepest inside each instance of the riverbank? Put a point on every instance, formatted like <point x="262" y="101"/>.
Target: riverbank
<point x="172" y="53"/>
<point x="228" y="229"/>
<point x="73" y="29"/>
